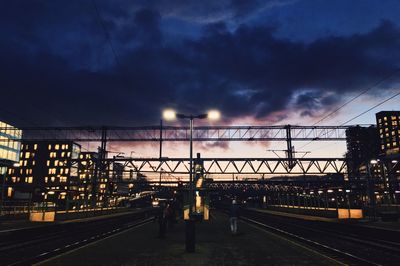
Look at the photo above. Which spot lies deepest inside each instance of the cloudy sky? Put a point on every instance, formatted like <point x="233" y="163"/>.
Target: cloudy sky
<point x="121" y="62"/>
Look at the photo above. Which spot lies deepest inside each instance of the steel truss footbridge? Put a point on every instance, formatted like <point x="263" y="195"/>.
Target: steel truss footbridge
<point x="243" y="166"/>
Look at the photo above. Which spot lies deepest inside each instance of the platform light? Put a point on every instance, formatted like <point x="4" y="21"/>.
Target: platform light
<point x="374" y="161"/>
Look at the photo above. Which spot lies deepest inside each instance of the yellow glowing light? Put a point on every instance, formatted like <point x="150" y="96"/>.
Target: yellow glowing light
<point x="213" y="115"/>
<point x="169" y="114"/>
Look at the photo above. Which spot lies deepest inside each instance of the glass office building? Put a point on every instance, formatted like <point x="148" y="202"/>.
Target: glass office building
<point x="10" y="142"/>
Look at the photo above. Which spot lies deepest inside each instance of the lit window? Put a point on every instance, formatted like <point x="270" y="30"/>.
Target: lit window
<point x="48" y="163"/>
<point x="9" y="191"/>
<point x="25" y="162"/>
<point x="394" y="144"/>
<point x="49" y="147"/>
<point x="66" y="146"/>
<point x="27" y="155"/>
<point x="35" y="146"/>
<point x="33" y="163"/>
<point x="393" y="117"/>
<point x="29" y="180"/>
<point x="66" y="170"/>
<point x="46" y="179"/>
<point x="53" y="178"/>
<point x="52" y="171"/>
<point x="57" y="147"/>
<point x="56" y="163"/>
<point x="385" y="118"/>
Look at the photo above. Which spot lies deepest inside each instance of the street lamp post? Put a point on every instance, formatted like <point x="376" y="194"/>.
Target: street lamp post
<point x="190" y="224"/>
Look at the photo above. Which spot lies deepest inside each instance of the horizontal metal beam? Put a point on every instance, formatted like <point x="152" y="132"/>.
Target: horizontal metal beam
<point x="169" y="133"/>
<point x="241" y="166"/>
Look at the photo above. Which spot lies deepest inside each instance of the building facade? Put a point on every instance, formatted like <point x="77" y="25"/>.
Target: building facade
<point x="389" y="131"/>
<point x="389" y="134"/>
<point x="47" y="174"/>
<point x="362" y="146"/>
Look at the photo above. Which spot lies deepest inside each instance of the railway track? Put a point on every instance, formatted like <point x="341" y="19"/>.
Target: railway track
<point x="32" y="245"/>
<point x="348" y="243"/>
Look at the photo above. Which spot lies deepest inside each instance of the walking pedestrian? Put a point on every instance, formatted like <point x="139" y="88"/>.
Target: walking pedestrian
<point x="233" y="216"/>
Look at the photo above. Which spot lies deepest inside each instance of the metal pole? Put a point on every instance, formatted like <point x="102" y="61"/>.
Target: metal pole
<point x="161" y="125"/>
<point x="371" y="191"/>
<point x="2" y="190"/>
<point x="190" y="224"/>
<point x="191" y="166"/>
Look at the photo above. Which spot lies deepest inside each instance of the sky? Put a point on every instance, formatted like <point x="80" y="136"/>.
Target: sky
<point x="267" y="62"/>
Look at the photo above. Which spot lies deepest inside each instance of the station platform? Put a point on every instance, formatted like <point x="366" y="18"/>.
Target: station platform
<point x="215" y="245"/>
<point x="12" y="225"/>
<point x="367" y="222"/>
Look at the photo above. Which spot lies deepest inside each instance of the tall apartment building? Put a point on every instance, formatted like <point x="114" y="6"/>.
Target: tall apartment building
<point x="389" y="131"/>
<point x="92" y="187"/>
<point x="362" y="146"/>
<point x="48" y="172"/>
<point x="389" y="134"/>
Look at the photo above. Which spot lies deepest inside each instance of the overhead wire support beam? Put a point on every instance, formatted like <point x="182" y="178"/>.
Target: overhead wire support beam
<point x="203" y="133"/>
<point x="238" y="165"/>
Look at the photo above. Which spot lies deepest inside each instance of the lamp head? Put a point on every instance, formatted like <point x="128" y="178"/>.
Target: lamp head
<point x="213" y="115"/>
<point x="169" y="114"/>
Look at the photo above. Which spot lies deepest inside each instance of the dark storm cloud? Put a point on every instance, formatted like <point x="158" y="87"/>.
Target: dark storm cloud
<point x="58" y="66"/>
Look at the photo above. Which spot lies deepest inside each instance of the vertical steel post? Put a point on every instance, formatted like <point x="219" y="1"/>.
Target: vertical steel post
<point x="291" y="163"/>
<point x="161" y="140"/>
<point x="190" y="224"/>
<point x="3" y="189"/>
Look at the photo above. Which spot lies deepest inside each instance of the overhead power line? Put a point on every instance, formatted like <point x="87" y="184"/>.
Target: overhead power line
<point x="359" y="95"/>
<point x="354" y="98"/>
<point x="101" y="21"/>
<point x="357" y="116"/>
<point x="370" y="109"/>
